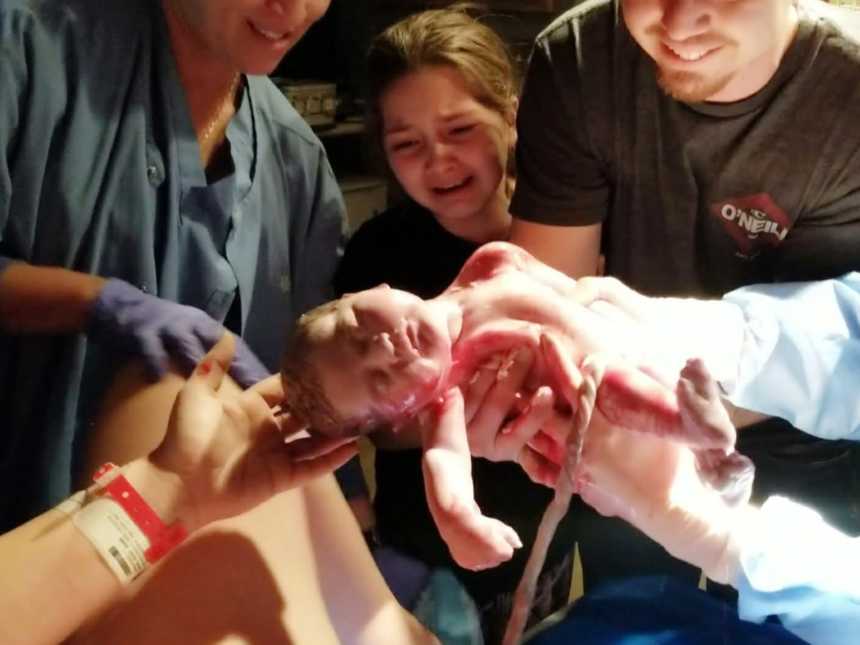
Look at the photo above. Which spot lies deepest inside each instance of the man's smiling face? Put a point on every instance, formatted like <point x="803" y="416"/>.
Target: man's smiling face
<point x="712" y="50"/>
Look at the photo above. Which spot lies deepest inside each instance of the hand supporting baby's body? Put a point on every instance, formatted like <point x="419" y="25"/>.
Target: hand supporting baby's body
<point x="694" y="505"/>
<point x="512" y="301"/>
<point x="687" y="504"/>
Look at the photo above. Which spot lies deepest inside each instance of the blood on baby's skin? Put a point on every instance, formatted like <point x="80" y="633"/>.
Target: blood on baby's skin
<point x="631" y="399"/>
<point x="634" y="400"/>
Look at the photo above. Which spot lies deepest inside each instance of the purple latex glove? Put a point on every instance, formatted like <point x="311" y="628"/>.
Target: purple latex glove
<point x="157" y="329"/>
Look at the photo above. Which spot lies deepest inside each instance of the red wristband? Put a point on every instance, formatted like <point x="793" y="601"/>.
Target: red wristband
<point x="162" y="537"/>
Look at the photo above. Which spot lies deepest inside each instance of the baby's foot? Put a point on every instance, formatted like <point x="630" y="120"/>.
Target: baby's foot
<point x="707" y="422"/>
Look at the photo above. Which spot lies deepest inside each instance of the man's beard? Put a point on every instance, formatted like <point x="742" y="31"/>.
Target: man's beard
<point x="690" y="87"/>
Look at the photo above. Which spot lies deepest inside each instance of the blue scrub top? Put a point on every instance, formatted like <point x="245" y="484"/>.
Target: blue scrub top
<point x="100" y="172"/>
<point x="801" y="354"/>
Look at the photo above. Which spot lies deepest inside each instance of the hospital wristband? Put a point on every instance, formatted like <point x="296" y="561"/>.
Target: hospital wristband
<point x="124" y="529"/>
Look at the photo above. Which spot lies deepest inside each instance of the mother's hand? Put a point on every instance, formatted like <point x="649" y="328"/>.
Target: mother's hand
<point x="226" y="454"/>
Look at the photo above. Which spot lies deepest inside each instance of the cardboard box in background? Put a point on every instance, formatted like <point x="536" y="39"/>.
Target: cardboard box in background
<point x="365" y="196"/>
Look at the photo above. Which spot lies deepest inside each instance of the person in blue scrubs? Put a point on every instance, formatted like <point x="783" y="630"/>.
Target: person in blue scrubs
<point x="791" y="350"/>
<point x="146" y="162"/>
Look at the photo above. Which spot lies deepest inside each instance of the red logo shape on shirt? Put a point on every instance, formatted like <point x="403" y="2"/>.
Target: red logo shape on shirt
<point x="752" y="222"/>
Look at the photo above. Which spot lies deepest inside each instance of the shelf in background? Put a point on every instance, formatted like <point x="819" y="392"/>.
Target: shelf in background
<point x="342" y="129"/>
<point x="365" y="196"/>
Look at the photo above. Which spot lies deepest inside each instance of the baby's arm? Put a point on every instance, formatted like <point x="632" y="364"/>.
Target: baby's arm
<point x="496" y="257"/>
<point x="475" y="541"/>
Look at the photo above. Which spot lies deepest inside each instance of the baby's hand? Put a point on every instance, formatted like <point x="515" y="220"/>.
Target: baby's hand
<point x="476" y="541"/>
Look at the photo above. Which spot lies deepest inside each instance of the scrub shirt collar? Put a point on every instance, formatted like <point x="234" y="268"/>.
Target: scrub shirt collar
<point x="241" y="131"/>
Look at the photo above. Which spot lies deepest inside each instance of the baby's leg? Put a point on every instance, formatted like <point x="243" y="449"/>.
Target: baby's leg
<point x="475" y="541"/>
<point x="631" y="398"/>
<point x="701" y="409"/>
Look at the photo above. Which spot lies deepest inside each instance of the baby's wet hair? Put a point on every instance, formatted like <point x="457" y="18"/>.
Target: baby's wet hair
<point x="304" y="396"/>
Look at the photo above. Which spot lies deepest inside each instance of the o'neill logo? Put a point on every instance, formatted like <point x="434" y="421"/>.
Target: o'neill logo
<point x="752" y="222"/>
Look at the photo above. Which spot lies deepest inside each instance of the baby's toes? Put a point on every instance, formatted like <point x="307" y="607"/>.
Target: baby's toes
<point x="736" y="473"/>
<point x="730" y="475"/>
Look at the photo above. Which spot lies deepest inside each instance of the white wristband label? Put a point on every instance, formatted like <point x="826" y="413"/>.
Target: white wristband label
<point x="116" y="538"/>
<point x="73" y="504"/>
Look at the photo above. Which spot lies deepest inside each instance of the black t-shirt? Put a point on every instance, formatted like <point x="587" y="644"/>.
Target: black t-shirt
<point x="407" y="249"/>
<point x="695" y="199"/>
<point x="699" y="199"/>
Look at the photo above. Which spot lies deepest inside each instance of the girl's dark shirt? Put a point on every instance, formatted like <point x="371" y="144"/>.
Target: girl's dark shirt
<point x="406" y="248"/>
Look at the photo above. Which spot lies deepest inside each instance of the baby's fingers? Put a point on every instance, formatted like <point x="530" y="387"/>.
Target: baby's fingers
<point x="508" y="534"/>
<point x="499" y="541"/>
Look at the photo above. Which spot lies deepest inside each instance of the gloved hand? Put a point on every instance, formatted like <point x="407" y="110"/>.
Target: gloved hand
<point x="697" y="510"/>
<point x="663" y="333"/>
<point x="157" y="329"/>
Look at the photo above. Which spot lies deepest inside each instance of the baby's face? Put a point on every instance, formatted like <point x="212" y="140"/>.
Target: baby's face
<point x="381" y="354"/>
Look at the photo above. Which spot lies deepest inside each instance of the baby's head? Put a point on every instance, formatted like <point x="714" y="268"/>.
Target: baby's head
<point x="369" y="359"/>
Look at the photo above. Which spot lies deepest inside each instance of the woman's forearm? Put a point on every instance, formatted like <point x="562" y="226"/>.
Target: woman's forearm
<point x="53" y="579"/>
<point x="36" y="299"/>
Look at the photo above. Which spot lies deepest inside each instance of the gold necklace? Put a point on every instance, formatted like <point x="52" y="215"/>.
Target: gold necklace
<point x="226" y="102"/>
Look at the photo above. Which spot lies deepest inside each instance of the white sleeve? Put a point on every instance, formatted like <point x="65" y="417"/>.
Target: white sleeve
<point x="805" y="572"/>
<point x="800" y="358"/>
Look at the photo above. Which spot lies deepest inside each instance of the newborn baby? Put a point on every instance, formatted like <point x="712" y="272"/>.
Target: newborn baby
<point x="381" y="356"/>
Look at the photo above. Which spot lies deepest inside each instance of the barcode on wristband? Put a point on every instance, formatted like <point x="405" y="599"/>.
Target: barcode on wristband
<point x="118" y="540"/>
<point x="120" y="560"/>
